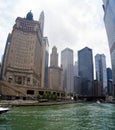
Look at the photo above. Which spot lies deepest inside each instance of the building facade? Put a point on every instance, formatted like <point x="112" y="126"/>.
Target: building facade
<point x="24" y="72"/>
<point x="54" y="57"/>
<point x="77" y="80"/>
<point x="109" y="20"/>
<point x="0" y="68"/>
<point x="54" y="72"/>
<point x="97" y="88"/>
<point x="85" y="71"/>
<point x="76" y="69"/>
<point x="67" y="65"/>
<point x="109" y="82"/>
<point x="77" y="85"/>
<point x="23" y="58"/>
<point x="45" y="59"/>
<point x="101" y="74"/>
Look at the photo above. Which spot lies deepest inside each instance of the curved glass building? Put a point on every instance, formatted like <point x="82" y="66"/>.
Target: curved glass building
<point x="109" y="19"/>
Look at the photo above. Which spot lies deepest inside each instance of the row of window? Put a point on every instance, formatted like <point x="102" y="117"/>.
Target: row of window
<point x="22" y="80"/>
<point x="27" y="28"/>
<point x="27" y="24"/>
<point x="23" y="36"/>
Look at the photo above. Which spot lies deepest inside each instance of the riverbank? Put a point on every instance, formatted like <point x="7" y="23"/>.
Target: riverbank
<point x="33" y="103"/>
<point x="18" y="103"/>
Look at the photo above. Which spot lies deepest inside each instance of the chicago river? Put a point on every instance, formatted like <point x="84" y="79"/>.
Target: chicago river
<point x="77" y="116"/>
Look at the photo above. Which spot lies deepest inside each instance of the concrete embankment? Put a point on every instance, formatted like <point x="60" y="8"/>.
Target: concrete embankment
<point x="32" y="103"/>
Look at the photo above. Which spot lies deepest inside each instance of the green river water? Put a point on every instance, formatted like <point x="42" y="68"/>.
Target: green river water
<point x="79" y="116"/>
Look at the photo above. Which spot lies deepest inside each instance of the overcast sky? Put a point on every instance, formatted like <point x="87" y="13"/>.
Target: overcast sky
<point x="68" y="23"/>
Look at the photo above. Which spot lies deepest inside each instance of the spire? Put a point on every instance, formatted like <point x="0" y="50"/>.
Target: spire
<point x="41" y="21"/>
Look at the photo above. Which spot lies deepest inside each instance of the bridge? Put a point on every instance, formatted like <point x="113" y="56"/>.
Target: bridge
<point x="91" y="98"/>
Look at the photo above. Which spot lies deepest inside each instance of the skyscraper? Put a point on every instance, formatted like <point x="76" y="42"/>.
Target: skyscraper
<point x="67" y="65"/>
<point x="4" y="61"/>
<point x="109" y="19"/>
<point x="109" y="73"/>
<point x="24" y="73"/>
<point x="41" y="22"/>
<point x="54" y="72"/>
<point x="109" y="81"/>
<point x="85" y="71"/>
<point x="76" y="69"/>
<point x="45" y="59"/>
<point x="22" y="60"/>
<point x="76" y="79"/>
<point x="54" y="57"/>
<point x="101" y="74"/>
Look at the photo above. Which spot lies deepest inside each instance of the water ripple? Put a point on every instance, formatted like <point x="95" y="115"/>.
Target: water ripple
<point x="79" y="116"/>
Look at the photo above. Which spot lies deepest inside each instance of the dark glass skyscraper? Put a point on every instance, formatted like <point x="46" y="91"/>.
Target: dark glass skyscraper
<point x="109" y="81"/>
<point x="85" y="71"/>
<point x="101" y="73"/>
<point x="109" y="73"/>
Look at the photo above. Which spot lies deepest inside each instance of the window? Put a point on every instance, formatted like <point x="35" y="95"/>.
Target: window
<point x="19" y="80"/>
<point x="10" y="78"/>
<point x="28" y="80"/>
<point x="31" y="92"/>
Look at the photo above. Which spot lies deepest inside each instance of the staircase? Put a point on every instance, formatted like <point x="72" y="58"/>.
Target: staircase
<point x="13" y="87"/>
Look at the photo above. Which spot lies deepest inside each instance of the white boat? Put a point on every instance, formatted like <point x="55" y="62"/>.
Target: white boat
<point x="98" y="101"/>
<point x="3" y="109"/>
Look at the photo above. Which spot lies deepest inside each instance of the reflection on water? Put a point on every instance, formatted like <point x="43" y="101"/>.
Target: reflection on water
<point x="4" y="123"/>
<point x="79" y="116"/>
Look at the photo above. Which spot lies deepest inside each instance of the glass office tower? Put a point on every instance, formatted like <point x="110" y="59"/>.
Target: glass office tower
<point x="85" y="71"/>
<point x="67" y="65"/>
<point x="101" y="73"/>
<point x="109" y="19"/>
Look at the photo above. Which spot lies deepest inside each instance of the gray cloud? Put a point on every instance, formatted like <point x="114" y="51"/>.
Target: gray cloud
<point x="68" y="23"/>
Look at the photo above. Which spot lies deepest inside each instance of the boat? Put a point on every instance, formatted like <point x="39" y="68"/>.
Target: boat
<point x="98" y="102"/>
<point x="3" y="109"/>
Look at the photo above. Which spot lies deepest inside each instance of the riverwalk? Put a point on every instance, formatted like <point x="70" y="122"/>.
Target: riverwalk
<point x="33" y="103"/>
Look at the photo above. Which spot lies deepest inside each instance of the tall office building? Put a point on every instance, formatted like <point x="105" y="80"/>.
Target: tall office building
<point x="0" y="67"/>
<point x="76" y="69"/>
<point x="85" y="71"/>
<point x="76" y="79"/>
<point x="109" y="82"/>
<point x="109" y="19"/>
<point x="22" y="61"/>
<point x="54" y="72"/>
<point x="101" y="74"/>
<point x="54" y="57"/>
<point x="97" y="88"/>
<point x="4" y="61"/>
<point x="24" y="71"/>
<point x="109" y="73"/>
<point x="41" y="22"/>
<point x="67" y="65"/>
<point x="45" y="59"/>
